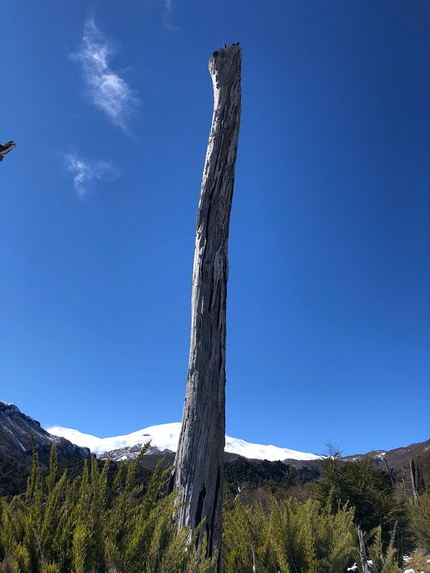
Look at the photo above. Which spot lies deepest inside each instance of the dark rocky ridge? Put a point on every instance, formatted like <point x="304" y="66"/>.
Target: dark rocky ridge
<point x="16" y="430"/>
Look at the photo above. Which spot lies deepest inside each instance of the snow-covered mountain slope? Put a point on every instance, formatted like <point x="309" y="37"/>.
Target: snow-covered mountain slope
<point x="260" y="452"/>
<point x="165" y="437"/>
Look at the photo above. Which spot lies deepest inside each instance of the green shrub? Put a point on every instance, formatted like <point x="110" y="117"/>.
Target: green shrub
<point x="289" y="537"/>
<point x="419" y="513"/>
<point x="83" y="525"/>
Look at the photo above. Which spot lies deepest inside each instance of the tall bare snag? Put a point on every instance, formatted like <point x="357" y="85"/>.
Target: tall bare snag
<point x="198" y="475"/>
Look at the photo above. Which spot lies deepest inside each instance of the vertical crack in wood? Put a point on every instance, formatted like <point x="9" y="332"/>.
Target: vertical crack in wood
<point x="199" y="511"/>
<point x="218" y="503"/>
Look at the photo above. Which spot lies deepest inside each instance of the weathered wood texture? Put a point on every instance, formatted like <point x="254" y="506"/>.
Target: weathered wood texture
<point x="362" y="552"/>
<point x="199" y="460"/>
<point x="413" y="481"/>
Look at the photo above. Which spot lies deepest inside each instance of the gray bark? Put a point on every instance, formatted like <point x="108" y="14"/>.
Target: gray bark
<point x="362" y="551"/>
<point x="413" y="481"/>
<point x="198" y="474"/>
<point x="390" y="472"/>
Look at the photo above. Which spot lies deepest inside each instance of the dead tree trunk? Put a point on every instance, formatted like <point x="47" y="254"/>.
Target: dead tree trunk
<point x="198" y="474"/>
<point x="413" y="481"/>
<point x="362" y="552"/>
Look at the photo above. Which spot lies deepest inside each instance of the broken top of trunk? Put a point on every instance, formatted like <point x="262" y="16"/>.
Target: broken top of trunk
<point x="198" y="474"/>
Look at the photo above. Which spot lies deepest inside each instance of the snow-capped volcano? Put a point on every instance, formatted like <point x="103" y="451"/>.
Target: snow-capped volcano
<point x="165" y="437"/>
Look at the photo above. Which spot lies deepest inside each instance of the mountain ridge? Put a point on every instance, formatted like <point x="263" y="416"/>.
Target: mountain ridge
<point x="164" y="438"/>
<point x="16" y="429"/>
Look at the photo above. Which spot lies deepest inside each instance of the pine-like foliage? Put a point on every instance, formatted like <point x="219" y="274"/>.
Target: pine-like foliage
<point x="103" y="520"/>
<point x="86" y="525"/>
<point x="369" y="491"/>
<point x="288" y="537"/>
<point x="383" y="561"/>
<point x="419" y="513"/>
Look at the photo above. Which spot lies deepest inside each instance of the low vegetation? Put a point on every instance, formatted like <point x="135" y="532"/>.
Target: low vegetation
<point x="100" y="518"/>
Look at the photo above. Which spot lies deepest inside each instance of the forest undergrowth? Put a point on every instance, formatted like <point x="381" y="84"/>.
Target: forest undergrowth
<point x="96" y="522"/>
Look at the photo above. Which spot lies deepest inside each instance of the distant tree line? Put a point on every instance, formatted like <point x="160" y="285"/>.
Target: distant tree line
<point x="267" y="474"/>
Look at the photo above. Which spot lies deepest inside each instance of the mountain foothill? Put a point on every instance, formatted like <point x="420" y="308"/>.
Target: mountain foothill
<point x="19" y="434"/>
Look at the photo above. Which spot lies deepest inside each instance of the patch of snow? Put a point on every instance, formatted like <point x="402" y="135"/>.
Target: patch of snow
<point x="260" y="452"/>
<point x="355" y="567"/>
<point x="76" y="437"/>
<point x="9" y="406"/>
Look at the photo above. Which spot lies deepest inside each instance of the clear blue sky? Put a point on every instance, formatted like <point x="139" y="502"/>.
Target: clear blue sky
<point x="110" y="105"/>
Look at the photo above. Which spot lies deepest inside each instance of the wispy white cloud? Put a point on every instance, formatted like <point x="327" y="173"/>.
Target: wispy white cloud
<point x="107" y="89"/>
<point x="167" y="16"/>
<point x="86" y="171"/>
